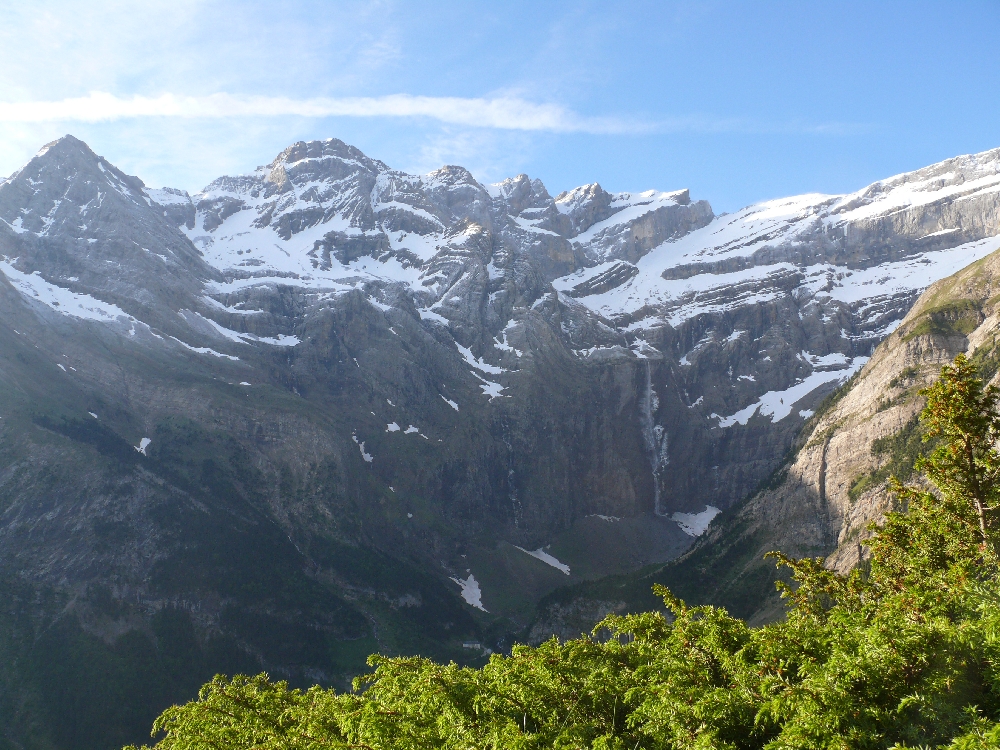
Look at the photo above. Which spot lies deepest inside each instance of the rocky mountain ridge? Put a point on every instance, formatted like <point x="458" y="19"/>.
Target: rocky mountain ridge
<point x="417" y="403"/>
<point x="631" y="278"/>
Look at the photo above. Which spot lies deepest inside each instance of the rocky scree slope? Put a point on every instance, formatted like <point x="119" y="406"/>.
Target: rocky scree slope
<point x="328" y="408"/>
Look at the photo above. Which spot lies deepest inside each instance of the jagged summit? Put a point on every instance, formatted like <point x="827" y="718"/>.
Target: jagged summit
<point x="63" y="176"/>
<point x="331" y="207"/>
<point x="67" y="146"/>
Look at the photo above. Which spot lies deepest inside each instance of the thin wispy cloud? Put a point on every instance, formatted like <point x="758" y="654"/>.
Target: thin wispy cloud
<point x="505" y="113"/>
<point x="502" y="113"/>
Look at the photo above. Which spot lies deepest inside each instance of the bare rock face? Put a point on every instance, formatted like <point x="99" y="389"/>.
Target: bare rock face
<point x="570" y="620"/>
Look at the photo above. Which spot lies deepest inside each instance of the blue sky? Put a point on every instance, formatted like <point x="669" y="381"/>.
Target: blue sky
<point x="738" y="101"/>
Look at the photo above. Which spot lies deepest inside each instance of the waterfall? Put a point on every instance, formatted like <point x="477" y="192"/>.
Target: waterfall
<point x="655" y="437"/>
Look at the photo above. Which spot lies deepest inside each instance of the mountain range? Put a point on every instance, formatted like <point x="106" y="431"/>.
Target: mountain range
<point x="329" y="408"/>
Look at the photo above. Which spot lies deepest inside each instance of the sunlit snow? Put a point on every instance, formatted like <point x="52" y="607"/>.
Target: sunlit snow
<point x="778" y="404"/>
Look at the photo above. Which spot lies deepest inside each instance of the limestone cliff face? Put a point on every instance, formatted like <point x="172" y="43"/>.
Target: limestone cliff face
<point x="835" y="485"/>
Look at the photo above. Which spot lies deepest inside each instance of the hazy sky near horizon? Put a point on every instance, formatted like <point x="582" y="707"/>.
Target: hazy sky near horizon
<point x="738" y="101"/>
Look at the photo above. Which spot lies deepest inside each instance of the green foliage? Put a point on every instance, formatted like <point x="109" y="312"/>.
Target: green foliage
<point x="901" y="451"/>
<point x="956" y="317"/>
<point x="986" y="358"/>
<point x="903" y="653"/>
<point x="966" y="466"/>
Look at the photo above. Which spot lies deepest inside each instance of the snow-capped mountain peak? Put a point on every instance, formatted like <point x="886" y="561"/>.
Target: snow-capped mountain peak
<point x="913" y="228"/>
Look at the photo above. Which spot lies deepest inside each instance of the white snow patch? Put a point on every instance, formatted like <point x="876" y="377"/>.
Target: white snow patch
<point x="450" y="403"/>
<point x="479" y="363"/>
<point x="609" y="519"/>
<point x="778" y="404"/>
<point x="62" y="300"/>
<point x="504" y="346"/>
<point x="541" y="301"/>
<point x="92" y="414"/>
<point x="236" y="336"/>
<point x="491" y="389"/>
<point x="806" y="413"/>
<point x="640" y="347"/>
<point x="471" y="591"/>
<point x="16" y="225"/>
<point x="428" y="314"/>
<point x="280" y="340"/>
<point x="695" y="524"/>
<point x="205" y="350"/>
<point x="143" y="444"/>
<point x="392" y="427"/>
<point x="366" y="456"/>
<point x="832" y="360"/>
<point x="60" y="367"/>
<point x="545" y="557"/>
<point x="593" y="349"/>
